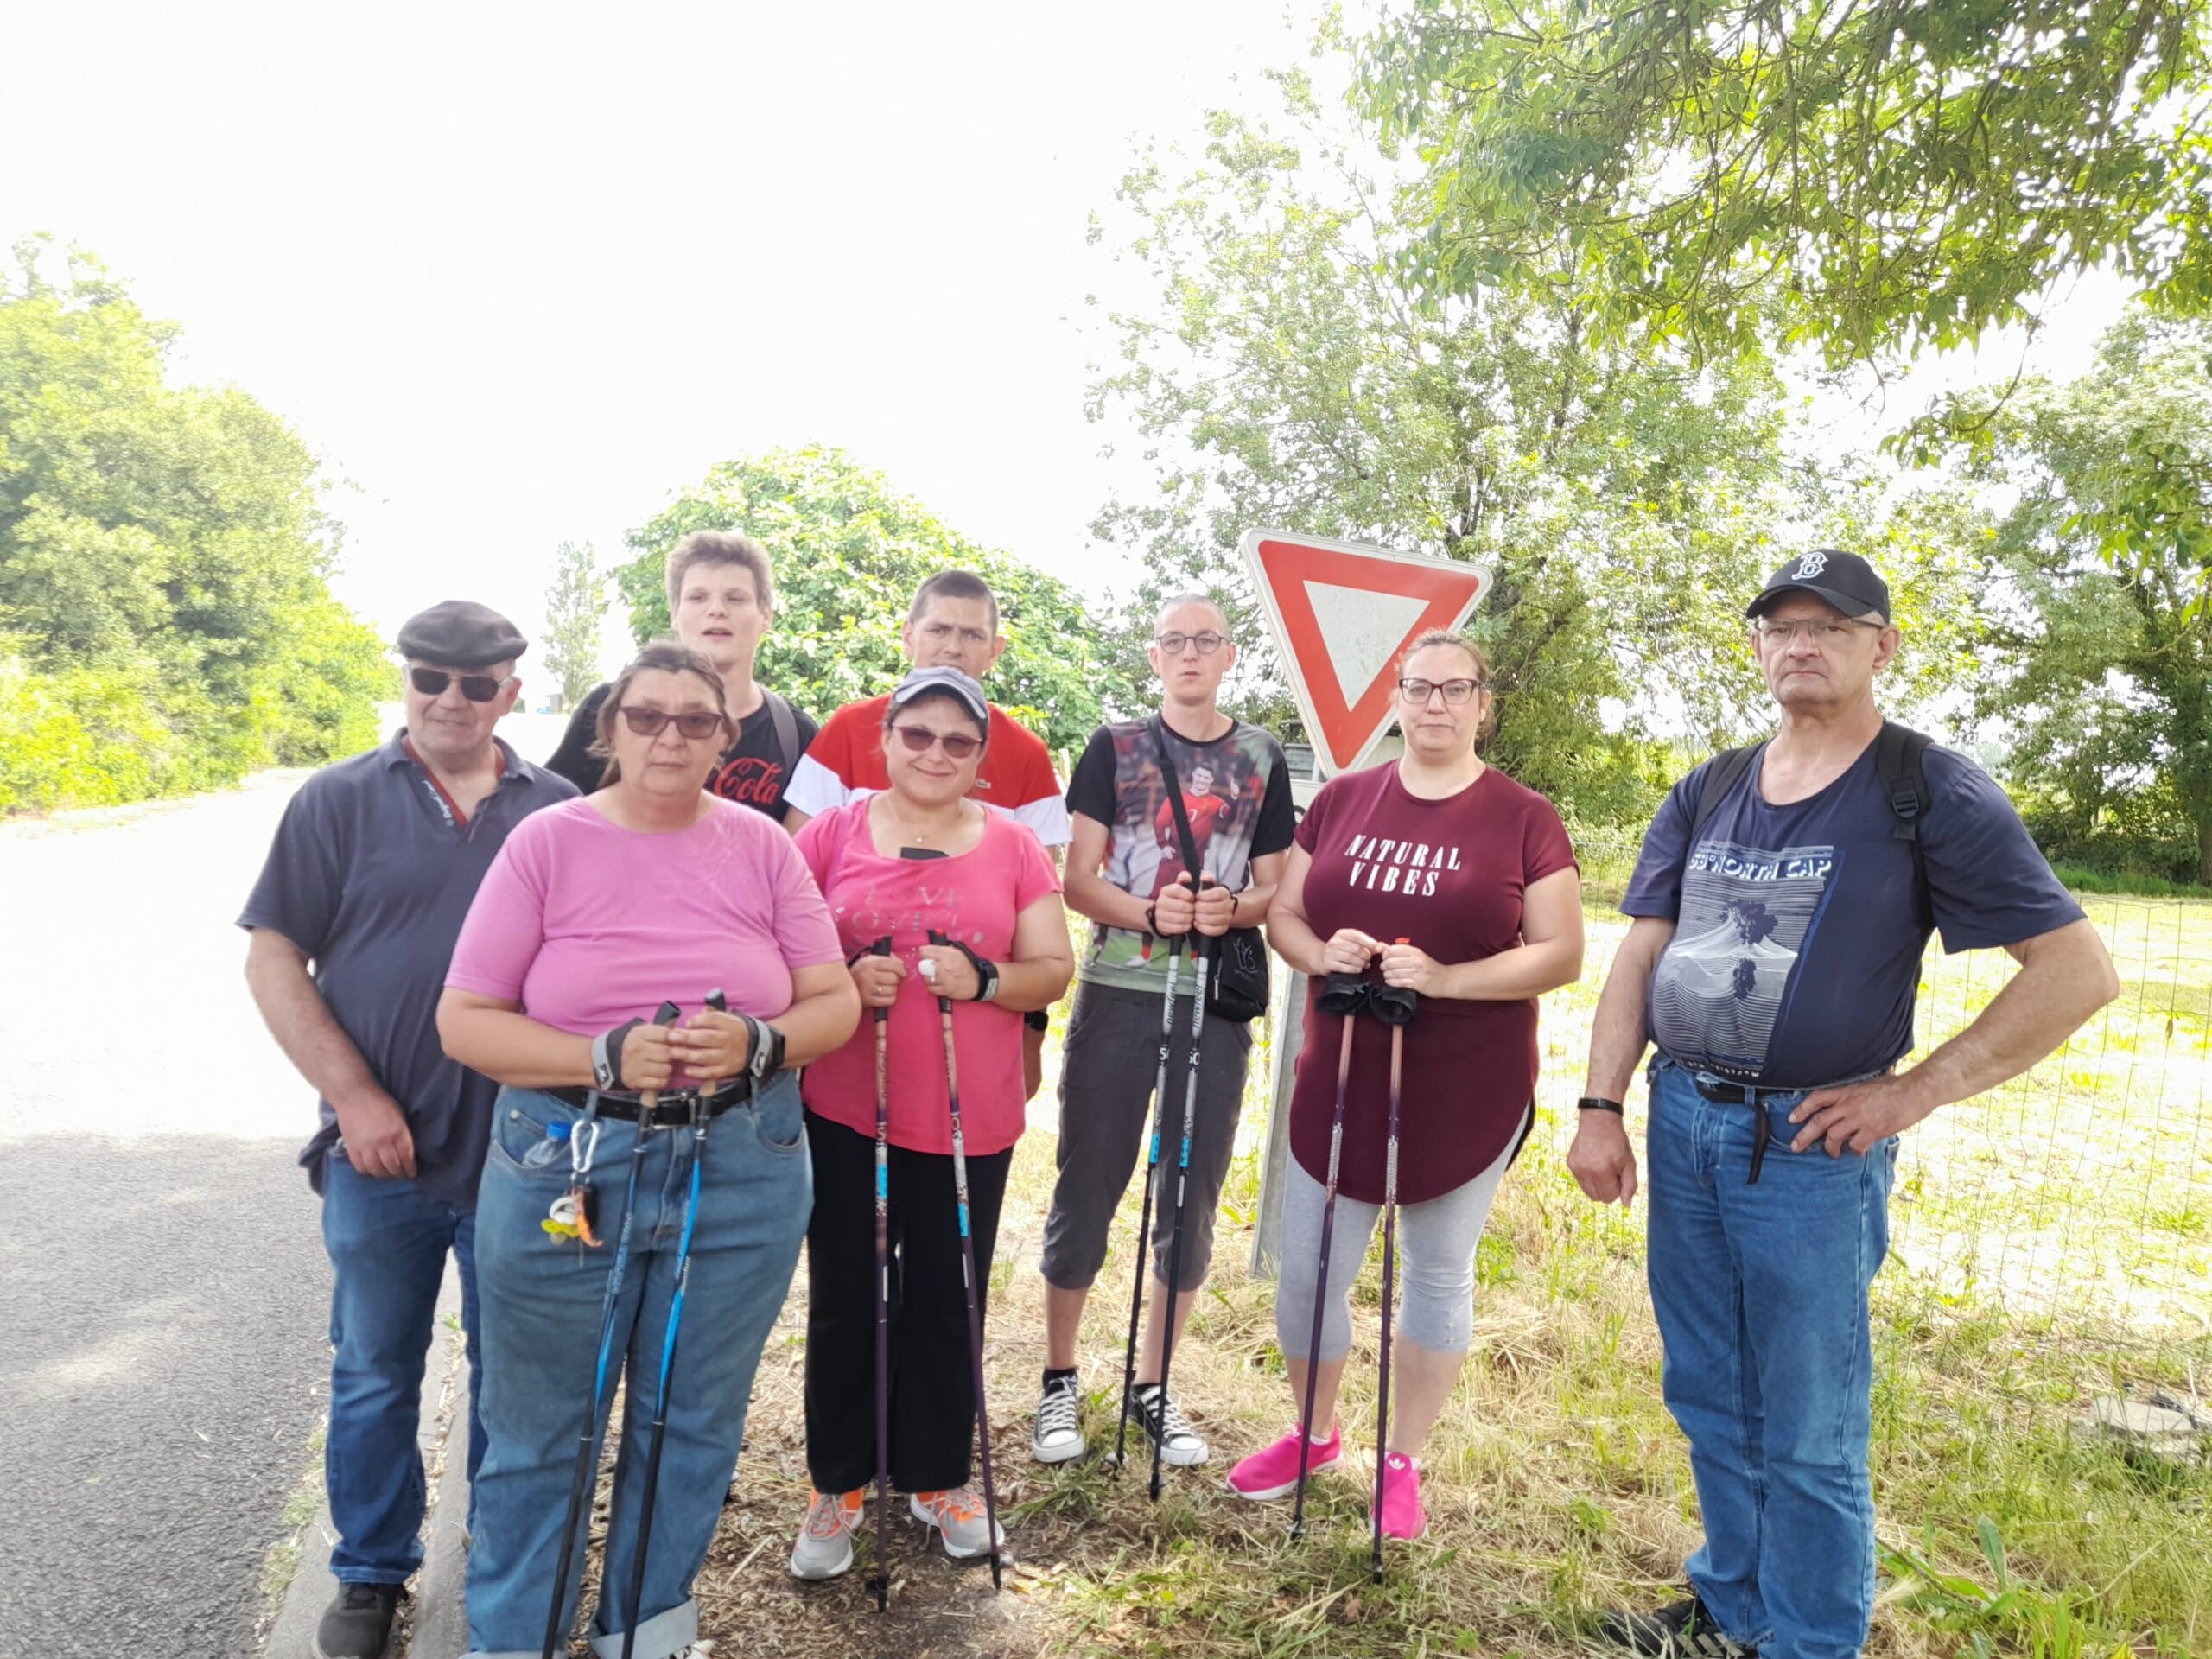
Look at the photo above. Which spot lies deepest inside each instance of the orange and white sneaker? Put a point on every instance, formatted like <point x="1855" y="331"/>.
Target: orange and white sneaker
<point x="825" y="1542"/>
<point x="958" y="1516"/>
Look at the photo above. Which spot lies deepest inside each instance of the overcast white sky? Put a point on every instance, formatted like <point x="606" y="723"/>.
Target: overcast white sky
<point x="520" y="273"/>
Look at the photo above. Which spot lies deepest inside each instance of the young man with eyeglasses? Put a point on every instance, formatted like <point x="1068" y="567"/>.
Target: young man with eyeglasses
<point x="351" y="926"/>
<point x="721" y="599"/>
<point x="953" y="622"/>
<point x="1123" y="874"/>
<point x="1781" y="906"/>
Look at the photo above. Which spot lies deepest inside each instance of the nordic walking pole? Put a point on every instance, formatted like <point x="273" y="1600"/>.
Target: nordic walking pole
<point x="699" y="1121"/>
<point x="1203" y="950"/>
<point x="881" y="1583"/>
<point x="1345" y="994"/>
<point x="1144" y="1215"/>
<point x="968" y="1276"/>
<point x="1394" y="1006"/>
<point x="663" y="1015"/>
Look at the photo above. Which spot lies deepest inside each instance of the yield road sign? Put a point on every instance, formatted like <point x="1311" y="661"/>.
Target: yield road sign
<point x="1342" y="612"/>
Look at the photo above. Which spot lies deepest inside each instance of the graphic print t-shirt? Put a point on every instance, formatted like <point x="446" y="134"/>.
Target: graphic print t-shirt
<point x="1797" y="952"/>
<point x="845" y="761"/>
<point x="752" y="772"/>
<point x="1237" y="794"/>
<point x="1450" y="876"/>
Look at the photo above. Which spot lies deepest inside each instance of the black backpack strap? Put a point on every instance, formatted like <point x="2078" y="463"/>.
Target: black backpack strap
<point x="1901" y="769"/>
<point x="786" y="725"/>
<point x="1722" y="773"/>
<point x="1189" y="843"/>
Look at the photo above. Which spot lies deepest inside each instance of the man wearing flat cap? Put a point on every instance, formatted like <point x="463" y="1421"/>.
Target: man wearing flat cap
<point x="1783" y="901"/>
<point x="349" y="929"/>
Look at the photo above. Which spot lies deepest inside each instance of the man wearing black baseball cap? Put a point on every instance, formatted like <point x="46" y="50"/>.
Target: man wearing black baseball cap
<point x="351" y="927"/>
<point x="1782" y="904"/>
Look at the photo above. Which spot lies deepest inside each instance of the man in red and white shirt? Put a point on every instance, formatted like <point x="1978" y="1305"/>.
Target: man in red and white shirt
<point x="953" y="623"/>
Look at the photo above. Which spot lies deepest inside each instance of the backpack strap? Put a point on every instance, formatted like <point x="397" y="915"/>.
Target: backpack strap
<point x="1722" y="773"/>
<point x="1901" y="769"/>
<point x="785" y="727"/>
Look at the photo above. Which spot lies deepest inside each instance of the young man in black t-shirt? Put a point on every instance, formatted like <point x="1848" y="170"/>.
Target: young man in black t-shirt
<point x="721" y="599"/>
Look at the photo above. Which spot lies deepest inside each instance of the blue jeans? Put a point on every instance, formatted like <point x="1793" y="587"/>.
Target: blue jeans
<point x="542" y="1298"/>
<point x="1761" y="1295"/>
<point x="387" y="1241"/>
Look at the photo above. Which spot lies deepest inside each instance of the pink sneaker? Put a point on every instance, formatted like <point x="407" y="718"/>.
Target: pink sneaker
<point x="1274" y="1472"/>
<point x="1402" y="1515"/>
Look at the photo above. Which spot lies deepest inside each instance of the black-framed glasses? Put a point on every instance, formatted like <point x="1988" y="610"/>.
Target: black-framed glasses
<point x="958" y="746"/>
<point x="1171" y="644"/>
<point x="1826" y="630"/>
<point x="1456" y="692"/>
<point x="652" y="722"/>
<point x="477" y="688"/>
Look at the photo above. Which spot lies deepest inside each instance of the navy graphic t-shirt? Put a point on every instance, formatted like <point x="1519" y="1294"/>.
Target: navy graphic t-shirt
<point x="1797" y="954"/>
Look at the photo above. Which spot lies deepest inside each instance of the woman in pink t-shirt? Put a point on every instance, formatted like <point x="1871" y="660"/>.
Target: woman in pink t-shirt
<point x="649" y="890"/>
<point x="1475" y="871"/>
<point x="917" y="859"/>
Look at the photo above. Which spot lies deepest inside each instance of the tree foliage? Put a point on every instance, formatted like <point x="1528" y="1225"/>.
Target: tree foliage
<point x="2108" y="683"/>
<point x="165" y="621"/>
<point x="849" y="552"/>
<point x="576" y="604"/>
<point x="1293" y="377"/>
<point x="1873" y="175"/>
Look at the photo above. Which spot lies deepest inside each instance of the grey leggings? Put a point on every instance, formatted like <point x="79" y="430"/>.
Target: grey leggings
<point x="1436" y="1240"/>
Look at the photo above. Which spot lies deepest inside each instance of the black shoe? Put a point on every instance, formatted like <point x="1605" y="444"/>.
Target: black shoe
<point x="1180" y="1445"/>
<point x="358" y="1624"/>
<point x="1684" y="1630"/>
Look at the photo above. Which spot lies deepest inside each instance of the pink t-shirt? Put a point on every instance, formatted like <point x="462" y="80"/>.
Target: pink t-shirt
<point x="587" y="925"/>
<point x="974" y="896"/>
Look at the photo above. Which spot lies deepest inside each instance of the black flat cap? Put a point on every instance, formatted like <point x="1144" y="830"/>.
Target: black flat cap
<point x="461" y="634"/>
<point x="1844" y="580"/>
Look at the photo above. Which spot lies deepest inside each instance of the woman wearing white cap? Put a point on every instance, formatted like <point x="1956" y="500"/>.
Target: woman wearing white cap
<point x="915" y="861"/>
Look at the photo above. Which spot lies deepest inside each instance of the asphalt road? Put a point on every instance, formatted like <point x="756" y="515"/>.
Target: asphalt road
<point x="164" y="1293"/>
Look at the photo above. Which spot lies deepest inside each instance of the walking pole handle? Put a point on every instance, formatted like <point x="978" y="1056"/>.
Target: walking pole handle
<point x="649" y="1099"/>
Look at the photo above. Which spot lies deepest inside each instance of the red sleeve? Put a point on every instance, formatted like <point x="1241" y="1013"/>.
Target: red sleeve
<point x="1038" y="783"/>
<point x="833" y="745"/>
<point x="1545" y="848"/>
<point x="1308" y="832"/>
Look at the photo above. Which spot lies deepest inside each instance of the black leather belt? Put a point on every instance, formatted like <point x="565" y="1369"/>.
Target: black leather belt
<point x="1738" y="1094"/>
<point x="670" y="1108"/>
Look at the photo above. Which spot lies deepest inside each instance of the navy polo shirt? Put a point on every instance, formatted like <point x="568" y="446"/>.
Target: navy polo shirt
<point x="371" y="875"/>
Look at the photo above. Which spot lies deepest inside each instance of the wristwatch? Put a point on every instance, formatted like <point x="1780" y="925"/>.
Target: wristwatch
<point x="1598" y="1103"/>
<point x="767" y="1056"/>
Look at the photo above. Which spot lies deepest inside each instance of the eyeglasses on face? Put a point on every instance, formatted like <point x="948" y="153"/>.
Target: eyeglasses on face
<point x="652" y="722"/>
<point x="958" y="746"/>
<point x="1170" y="645"/>
<point x="477" y="688"/>
<point x="1827" y="631"/>
<point x="1456" y="692"/>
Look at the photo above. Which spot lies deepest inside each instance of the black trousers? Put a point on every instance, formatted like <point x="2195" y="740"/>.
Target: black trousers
<point x="933" y="1386"/>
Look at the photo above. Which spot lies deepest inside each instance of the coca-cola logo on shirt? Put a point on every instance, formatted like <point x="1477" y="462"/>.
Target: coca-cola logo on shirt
<point x="750" y="781"/>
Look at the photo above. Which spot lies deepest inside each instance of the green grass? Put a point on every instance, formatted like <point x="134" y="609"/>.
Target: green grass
<point x="2052" y="1243"/>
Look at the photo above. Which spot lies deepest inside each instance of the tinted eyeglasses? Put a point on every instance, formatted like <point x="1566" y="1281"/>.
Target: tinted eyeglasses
<point x="652" y="722"/>
<point x="958" y="746"/>
<point x="477" y="688"/>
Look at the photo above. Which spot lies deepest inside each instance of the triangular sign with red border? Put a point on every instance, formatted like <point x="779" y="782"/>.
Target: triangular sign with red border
<point x="1342" y="614"/>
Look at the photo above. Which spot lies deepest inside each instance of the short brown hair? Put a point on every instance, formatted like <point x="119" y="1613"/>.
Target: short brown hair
<point x="954" y="584"/>
<point x="663" y="656"/>
<point x="719" y="547"/>
<point x="1428" y="637"/>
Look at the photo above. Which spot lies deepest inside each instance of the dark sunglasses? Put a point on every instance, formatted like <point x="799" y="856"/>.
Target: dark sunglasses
<point x="652" y="722"/>
<point x="957" y="746"/>
<point x="477" y="688"/>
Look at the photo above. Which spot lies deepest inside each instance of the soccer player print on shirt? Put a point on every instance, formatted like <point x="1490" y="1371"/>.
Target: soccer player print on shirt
<point x="1205" y="808"/>
<point x="1380" y="865"/>
<point x="1719" y="985"/>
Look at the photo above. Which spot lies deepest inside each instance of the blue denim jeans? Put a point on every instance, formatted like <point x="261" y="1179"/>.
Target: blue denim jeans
<point x="1761" y="1295"/>
<point x="543" y="1297"/>
<point x="387" y="1241"/>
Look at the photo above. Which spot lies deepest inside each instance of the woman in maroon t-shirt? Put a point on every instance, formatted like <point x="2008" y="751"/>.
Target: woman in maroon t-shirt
<point x="1475" y="871"/>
